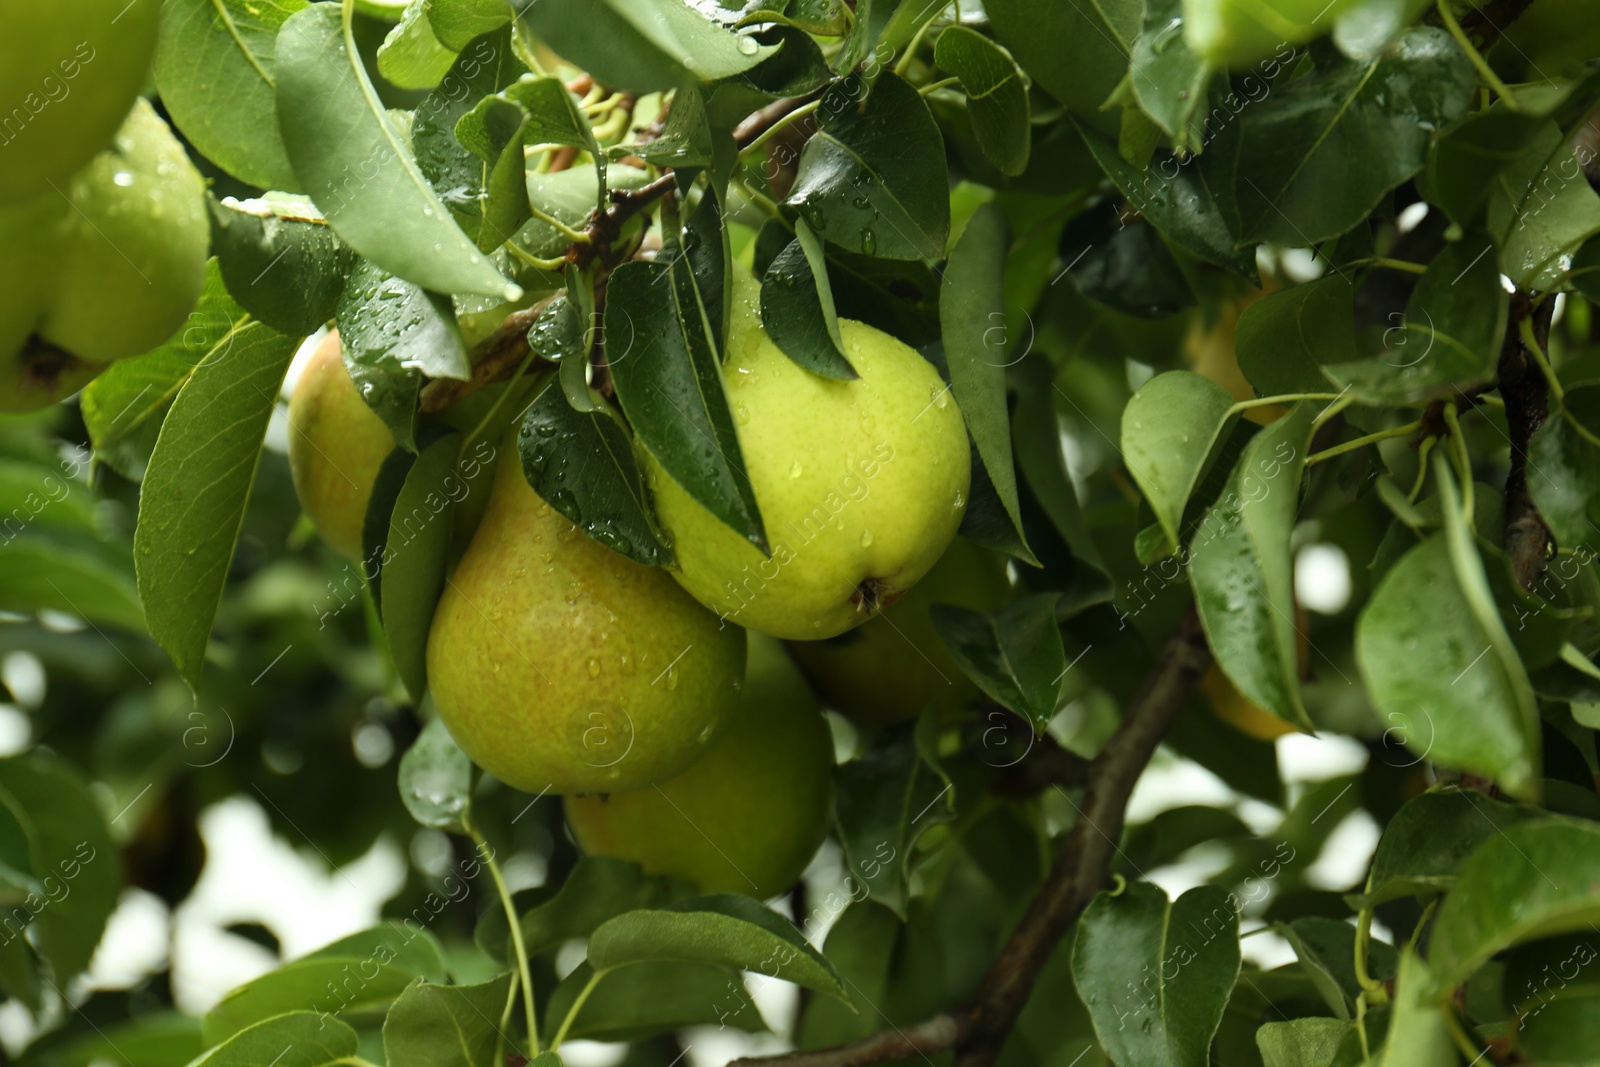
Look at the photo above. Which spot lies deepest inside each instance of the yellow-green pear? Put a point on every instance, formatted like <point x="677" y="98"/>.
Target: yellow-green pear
<point x="69" y="71"/>
<point x="135" y="246"/>
<point x="861" y="484"/>
<point x="559" y="665"/>
<point x="894" y="666"/>
<point x="115" y="260"/>
<point x="336" y="445"/>
<point x="749" y="814"/>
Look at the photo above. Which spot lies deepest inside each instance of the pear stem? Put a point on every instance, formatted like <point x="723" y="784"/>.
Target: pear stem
<point x="517" y="944"/>
<point x="577" y="1006"/>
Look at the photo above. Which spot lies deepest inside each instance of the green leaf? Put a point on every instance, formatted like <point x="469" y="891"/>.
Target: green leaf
<point x="1467" y="157"/>
<point x="1532" y="880"/>
<point x="1428" y="839"/>
<point x="1155" y="974"/>
<point x="446" y="1025"/>
<point x="1077" y="52"/>
<point x="153" y="1039"/>
<point x="883" y="801"/>
<point x="652" y="998"/>
<point x="797" y="307"/>
<point x="582" y="463"/>
<point x="419" y="541"/>
<point x="401" y="943"/>
<point x="1036" y="436"/>
<point x="667" y="370"/>
<point x="1541" y="211"/>
<point x="686" y="139"/>
<point x="599" y="889"/>
<point x="192" y="504"/>
<point x="1449" y="338"/>
<point x="1169" y="81"/>
<point x="350" y="987"/>
<point x="282" y="261"/>
<point x="642" y="45"/>
<point x="456" y="22"/>
<point x="725" y="930"/>
<point x="860" y="946"/>
<point x="1014" y="655"/>
<point x="294" y="1039"/>
<point x="1308" y="1042"/>
<point x="70" y="854"/>
<point x="1564" y="468"/>
<point x="1169" y="430"/>
<point x="215" y="69"/>
<point x="873" y="178"/>
<point x="1439" y="664"/>
<point x="1288" y="162"/>
<point x="997" y="95"/>
<point x="1177" y="198"/>
<point x="411" y="57"/>
<point x="435" y="780"/>
<point x="40" y="572"/>
<point x="975" y="347"/>
<point x="357" y="168"/>
<point x="1363" y="28"/>
<point x="1326" y="949"/>
<point x="1285" y="339"/>
<point x="1419" y="1034"/>
<point x="1242" y="568"/>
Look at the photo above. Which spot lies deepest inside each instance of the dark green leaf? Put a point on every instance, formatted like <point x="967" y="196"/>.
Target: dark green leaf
<point x="411" y="57"/>
<point x="1285" y="339"/>
<point x="652" y="998"/>
<point x="725" y="930"/>
<point x="1311" y="159"/>
<point x="997" y="95"/>
<point x="1156" y="974"/>
<point x="401" y="943"/>
<point x="883" y="800"/>
<point x="1242" y="568"/>
<point x="353" y="162"/>
<point x="1449" y="337"/>
<point x="640" y="45"/>
<point x="281" y="260"/>
<point x="45" y="572"/>
<point x="1169" y="430"/>
<point x="1541" y="210"/>
<point x="294" y="1039"/>
<point x="419" y="541"/>
<point x="797" y="307"/>
<point x="1078" y="52"/>
<point x="194" y="495"/>
<point x="1419" y="1034"/>
<point x="1535" y="879"/>
<point x="668" y="375"/>
<point x="1564" y="468"/>
<point x="976" y="348"/>
<point x="446" y="1025"/>
<point x="582" y="463"/>
<point x="1429" y="838"/>
<point x="214" y="69"/>
<point x="71" y="855"/>
<point x="1014" y="655"/>
<point x="1308" y="1042"/>
<point x="456" y="22"/>
<point x="599" y="888"/>
<point x="1326" y="948"/>
<point x="350" y="987"/>
<point x="1439" y="664"/>
<point x="872" y="179"/>
<point x="1168" y="80"/>
<point x="436" y="780"/>
<point x="685" y="140"/>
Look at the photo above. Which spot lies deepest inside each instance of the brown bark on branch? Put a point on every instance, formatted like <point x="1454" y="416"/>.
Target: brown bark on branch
<point x="978" y="1029"/>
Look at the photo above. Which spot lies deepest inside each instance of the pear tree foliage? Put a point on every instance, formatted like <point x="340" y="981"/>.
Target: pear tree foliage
<point x="1247" y="351"/>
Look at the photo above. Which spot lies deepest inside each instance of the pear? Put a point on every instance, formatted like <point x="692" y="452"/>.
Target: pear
<point x="1239" y="33"/>
<point x="336" y="445"/>
<point x="69" y="71"/>
<point x="861" y="484"/>
<point x="116" y="262"/>
<point x="561" y="666"/>
<point x="894" y="666"/>
<point x="749" y="814"/>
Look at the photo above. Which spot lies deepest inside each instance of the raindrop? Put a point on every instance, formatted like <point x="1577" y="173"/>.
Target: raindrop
<point x="866" y="539"/>
<point x="594" y="668"/>
<point x="748" y="46"/>
<point x="796" y="470"/>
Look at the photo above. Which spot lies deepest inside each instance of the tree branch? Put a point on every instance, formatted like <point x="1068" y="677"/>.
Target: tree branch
<point x="495" y="358"/>
<point x="978" y="1030"/>
<point x="1527" y="396"/>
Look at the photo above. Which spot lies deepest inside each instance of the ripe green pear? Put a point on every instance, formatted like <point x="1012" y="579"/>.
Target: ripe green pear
<point x="69" y="71"/>
<point x="749" y="814"/>
<point x="861" y="484"/>
<point x="891" y="668"/>
<point x="336" y="445"/>
<point x="559" y="665"/>
<point x="115" y="264"/>
<point x="1238" y="33"/>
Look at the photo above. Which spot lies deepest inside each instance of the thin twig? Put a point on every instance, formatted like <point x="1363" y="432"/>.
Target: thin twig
<point x="495" y="358"/>
<point x="978" y="1030"/>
